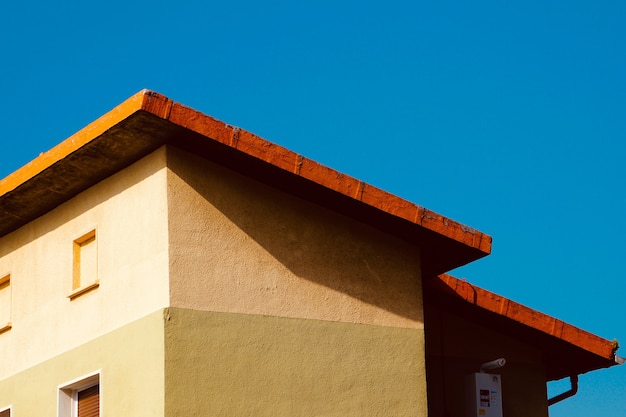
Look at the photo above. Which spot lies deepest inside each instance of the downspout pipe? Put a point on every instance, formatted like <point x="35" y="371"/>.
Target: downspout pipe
<point x="565" y="395"/>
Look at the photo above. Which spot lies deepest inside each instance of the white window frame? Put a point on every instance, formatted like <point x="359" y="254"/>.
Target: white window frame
<point x="68" y="394"/>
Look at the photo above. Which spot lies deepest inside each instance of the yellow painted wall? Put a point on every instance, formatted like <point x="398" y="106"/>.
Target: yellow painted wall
<point x="239" y="246"/>
<point x="129" y="212"/>
<point x="131" y="361"/>
<point x="346" y="336"/>
<point x="456" y="347"/>
<point x="224" y="364"/>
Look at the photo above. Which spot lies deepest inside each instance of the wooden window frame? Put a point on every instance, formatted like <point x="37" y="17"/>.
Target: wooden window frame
<point x="5" y="285"/>
<point x="80" y="285"/>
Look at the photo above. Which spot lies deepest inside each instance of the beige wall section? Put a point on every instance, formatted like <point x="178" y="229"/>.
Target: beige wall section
<point x="132" y="374"/>
<point x="456" y="347"/>
<point x="129" y="211"/>
<point x="237" y="245"/>
<point x="226" y="364"/>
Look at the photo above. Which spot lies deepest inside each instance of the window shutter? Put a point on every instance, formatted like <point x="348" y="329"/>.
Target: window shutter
<point x="89" y="402"/>
<point x="5" y="413"/>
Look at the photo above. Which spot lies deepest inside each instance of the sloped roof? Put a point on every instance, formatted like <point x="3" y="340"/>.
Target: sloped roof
<point x="149" y="120"/>
<point x="567" y="350"/>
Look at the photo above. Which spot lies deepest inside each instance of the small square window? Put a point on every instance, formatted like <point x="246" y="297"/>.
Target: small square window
<point x="81" y="398"/>
<point x="85" y="265"/>
<point x="5" y="304"/>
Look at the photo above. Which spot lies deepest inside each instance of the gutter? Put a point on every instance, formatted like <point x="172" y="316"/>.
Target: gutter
<point x="574" y="385"/>
<point x="567" y="394"/>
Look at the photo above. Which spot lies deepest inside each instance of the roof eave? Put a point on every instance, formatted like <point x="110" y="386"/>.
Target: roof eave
<point x="567" y="350"/>
<point x="149" y="120"/>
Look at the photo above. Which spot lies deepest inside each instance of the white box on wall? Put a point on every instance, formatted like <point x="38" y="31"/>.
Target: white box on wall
<point x="484" y="395"/>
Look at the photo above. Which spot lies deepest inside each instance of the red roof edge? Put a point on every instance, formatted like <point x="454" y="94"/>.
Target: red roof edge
<point x="527" y="316"/>
<point x="16" y="211"/>
<point x="296" y="164"/>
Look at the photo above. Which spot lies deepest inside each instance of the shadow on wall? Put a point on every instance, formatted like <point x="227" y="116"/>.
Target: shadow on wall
<point x="82" y="203"/>
<point x="310" y="241"/>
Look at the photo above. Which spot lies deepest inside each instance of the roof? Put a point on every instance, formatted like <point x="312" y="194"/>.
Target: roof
<point x="149" y="120"/>
<point x="566" y="349"/>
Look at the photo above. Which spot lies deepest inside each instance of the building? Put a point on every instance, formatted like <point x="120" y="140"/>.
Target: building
<point x="162" y="263"/>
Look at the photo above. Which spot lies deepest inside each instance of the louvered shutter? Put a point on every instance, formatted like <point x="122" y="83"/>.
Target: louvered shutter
<point x="89" y="402"/>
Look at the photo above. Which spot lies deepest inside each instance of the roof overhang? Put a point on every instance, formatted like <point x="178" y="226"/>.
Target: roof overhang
<point x="567" y="350"/>
<point x="149" y="120"/>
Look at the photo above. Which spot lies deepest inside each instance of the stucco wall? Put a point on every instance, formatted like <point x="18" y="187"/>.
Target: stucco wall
<point x="346" y="336"/>
<point x="239" y="246"/>
<point x="131" y="362"/>
<point x="226" y="364"/>
<point x="129" y="212"/>
<point x="456" y="347"/>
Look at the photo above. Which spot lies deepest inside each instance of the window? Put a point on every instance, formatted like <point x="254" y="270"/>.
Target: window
<point x="85" y="267"/>
<point x="89" y="402"/>
<point x="81" y="398"/>
<point x="5" y="413"/>
<point x="5" y="305"/>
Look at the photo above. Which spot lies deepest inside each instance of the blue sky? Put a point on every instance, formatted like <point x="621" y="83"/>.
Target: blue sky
<point x="506" y="116"/>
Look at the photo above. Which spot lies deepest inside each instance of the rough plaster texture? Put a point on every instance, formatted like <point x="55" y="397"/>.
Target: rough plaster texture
<point x="346" y="336"/>
<point x="129" y="212"/>
<point x="239" y="246"/>
<point x="131" y="363"/>
<point x="227" y="364"/>
<point x="456" y="347"/>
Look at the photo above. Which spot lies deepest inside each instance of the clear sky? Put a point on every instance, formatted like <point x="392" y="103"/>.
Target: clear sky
<point x="506" y="116"/>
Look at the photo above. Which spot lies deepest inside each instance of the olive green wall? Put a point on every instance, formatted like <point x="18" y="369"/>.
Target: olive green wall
<point x="131" y="363"/>
<point x="224" y="364"/>
<point x="178" y="362"/>
<point x="456" y="347"/>
<point x="282" y="307"/>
